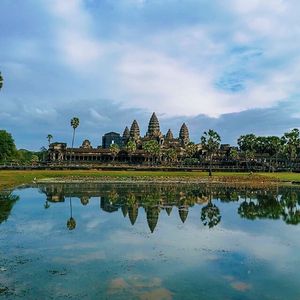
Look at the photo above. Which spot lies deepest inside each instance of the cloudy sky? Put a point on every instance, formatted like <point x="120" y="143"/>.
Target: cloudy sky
<point x="232" y="65"/>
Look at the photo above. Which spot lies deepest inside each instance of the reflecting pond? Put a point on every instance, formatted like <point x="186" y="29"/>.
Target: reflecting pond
<point x="137" y="241"/>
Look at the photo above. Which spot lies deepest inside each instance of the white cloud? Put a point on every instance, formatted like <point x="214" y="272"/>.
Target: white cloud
<point x="74" y="37"/>
<point x="156" y="82"/>
<point x="175" y="72"/>
<point x="255" y="6"/>
<point x="79" y="50"/>
<point x="153" y="81"/>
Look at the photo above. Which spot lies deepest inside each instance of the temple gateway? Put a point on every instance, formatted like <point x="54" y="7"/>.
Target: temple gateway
<point x="130" y="147"/>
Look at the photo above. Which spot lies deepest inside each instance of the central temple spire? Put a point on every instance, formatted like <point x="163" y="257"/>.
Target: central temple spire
<point x="153" y="127"/>
<point x="184" y="134"/>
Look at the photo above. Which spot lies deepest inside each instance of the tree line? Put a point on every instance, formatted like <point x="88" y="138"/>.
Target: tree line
<point x="9" y="154"/>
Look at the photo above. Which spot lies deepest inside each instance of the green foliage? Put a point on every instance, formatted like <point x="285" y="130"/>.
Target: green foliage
<point x="267" y="145"/>
<point x="210" y="141"/>
<point x="130" y="147"/>
<point x="234" y="154"/>
<point x="210" y="215"/>
<point x="291" y="143"/>
<point x="191" y="149"/>
<point x="7" y="201"/>
<point x="24" y="156"/>
<point x="34" y="159"/>
<point x="152" y="148"/>
<point x="247" y="142"/>
<point x="249" y="155"/>
<point x="7" y="146"/>
<point x="71" y="223"/>
<point x="171" y="155"/>
<point x="190" y="161"/>
<point x="75" y="122"/>
<point x="114" y="149"/>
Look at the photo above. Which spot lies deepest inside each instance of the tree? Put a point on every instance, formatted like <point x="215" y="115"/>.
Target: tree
<point x="210" y="214"/>
<point x="249" y="156"/>
<point x="7" y="201"/>
<point x="7" y="146"/>
<point x="273" y="148"/>
<point x="74" y="124"/>
<point x="34" y="159"/>
<point x="71" y="223"/>
<point x="130" y="148"/>
<point x="49" y="138"/>
<point x="171" y="155"/>
<point x="114" y="149"/>
<point x="211" y="143"/>
<point x="152" y="148"/>
<point x="290" y="203"/>
<point x="234" y="155"/>
<point x="191" y="150"/>
<point x="247" y="142"/>
<point x="291" y="144"/>
<point x="24" y="156"/>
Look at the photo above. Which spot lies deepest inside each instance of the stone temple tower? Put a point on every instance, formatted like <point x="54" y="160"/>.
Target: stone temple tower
<point x="134" y="131"/>
<point x="169" y="135"/>
<point x="153" y="127"/>
<point x="184" y="136"/>
<point x="126" y="136"/>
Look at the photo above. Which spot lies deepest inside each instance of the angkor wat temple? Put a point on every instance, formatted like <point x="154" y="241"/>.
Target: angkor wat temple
<point x="59" y="152"/>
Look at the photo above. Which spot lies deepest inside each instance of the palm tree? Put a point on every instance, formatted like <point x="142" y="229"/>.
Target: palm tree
<point x="152" y="148"/>
<point x="291" y="141"/>
<point x="1" y="81"/>
<point x="272" y="146"/>
<point x="171" y="155"/>
<point x="248" y="143"/>
<point x="211" y="143"/>
<point x="130" y="148"/>
<point x="114" y="149"/>
<point x="74" y="124"/>
<point x="190" y="150"/>
<point x="71" y="223"/>
<point x="234" y="155"/>
<point x="49" y="138"/>
<point x="210" y="214"/>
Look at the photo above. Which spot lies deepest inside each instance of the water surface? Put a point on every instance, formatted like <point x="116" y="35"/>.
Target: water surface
<point x="122" y="241"/>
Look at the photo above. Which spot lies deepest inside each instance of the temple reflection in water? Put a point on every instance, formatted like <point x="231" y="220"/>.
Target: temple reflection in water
<point x="272" y="203"/>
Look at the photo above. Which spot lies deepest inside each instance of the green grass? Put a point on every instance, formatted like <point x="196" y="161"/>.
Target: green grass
<point x="10" y="179"/>
<point x="284" y="176"/>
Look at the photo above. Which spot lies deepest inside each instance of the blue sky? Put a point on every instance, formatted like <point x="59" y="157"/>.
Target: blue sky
<point x="232" y="65"/>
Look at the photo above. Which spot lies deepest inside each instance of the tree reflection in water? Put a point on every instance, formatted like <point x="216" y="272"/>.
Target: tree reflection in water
<point x="71" y="223"/>
<point x="7" y="201"/>
<point x="210" y="213"/>
<point x="283" y="203"/>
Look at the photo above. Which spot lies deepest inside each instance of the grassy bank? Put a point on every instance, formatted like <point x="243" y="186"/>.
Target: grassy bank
<point x="10" y="179"/>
